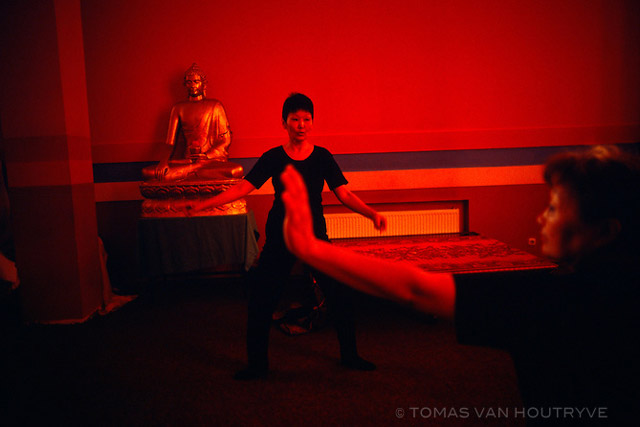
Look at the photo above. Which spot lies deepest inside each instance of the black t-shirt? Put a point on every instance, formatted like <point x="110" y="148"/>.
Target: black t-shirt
<point x="573" y="337"/>
<point x="319" y="167"/>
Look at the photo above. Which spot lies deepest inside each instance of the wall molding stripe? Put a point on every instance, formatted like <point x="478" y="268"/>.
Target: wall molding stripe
<point x="379" y="180"/>
<point x="442" y="159"/>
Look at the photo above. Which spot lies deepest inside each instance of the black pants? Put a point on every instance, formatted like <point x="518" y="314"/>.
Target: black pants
<point x="266" y="282"/>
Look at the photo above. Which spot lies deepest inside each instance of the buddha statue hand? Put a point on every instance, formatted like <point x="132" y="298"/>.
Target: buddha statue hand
<point x="161" y="170"/>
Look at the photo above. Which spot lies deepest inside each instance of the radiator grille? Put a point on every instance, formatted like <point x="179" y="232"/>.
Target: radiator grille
<point x="399" y="223"/>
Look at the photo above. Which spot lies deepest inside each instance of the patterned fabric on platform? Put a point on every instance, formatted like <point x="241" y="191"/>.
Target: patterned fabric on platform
<point x="451" y="253"/>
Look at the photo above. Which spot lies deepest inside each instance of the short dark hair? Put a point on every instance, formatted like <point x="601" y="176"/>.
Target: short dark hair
<point x="605" y="182"/>
<point x="296" y="102"/>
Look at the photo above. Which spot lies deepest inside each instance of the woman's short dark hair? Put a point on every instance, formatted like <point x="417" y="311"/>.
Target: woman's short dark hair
<point x="296" y="102"/>
<point x="605" y="182"/>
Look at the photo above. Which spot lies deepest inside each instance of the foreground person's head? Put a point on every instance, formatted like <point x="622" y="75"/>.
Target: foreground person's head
<point x="594" y="204"/>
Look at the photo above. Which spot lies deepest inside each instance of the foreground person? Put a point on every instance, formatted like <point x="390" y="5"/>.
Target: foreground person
<point x="572" y="333"/>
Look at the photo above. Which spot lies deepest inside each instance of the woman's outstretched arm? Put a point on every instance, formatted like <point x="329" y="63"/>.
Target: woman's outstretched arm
<point x="354" y="203"/>
<point x="432" y="293"/>
<point x="234" y="193"/>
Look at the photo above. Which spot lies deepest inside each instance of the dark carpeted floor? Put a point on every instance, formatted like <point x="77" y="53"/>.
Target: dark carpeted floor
<point x="168" y="357"/>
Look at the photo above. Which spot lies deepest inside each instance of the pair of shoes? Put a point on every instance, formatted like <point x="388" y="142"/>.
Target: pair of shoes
<point x="357" y="363"/>
<point x="249" y="374"/>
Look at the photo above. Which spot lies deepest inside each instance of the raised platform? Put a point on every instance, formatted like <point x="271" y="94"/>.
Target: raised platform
<point x="170" y="199"/>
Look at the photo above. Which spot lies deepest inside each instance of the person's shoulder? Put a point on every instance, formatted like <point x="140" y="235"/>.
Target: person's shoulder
<point x="274" y="152"/>
<point x="320" y="148"/>
<point x="321" y="151"/>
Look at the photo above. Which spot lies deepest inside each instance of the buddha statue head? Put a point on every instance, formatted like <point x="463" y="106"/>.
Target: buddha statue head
<point x="196" y="82"/>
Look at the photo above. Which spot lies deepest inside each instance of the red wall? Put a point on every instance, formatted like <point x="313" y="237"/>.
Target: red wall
<point x="407" y="75"/>
<point x="425" y="74"/>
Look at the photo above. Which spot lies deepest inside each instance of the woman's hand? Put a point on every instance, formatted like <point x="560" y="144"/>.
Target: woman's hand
<point x="379" y="222"/>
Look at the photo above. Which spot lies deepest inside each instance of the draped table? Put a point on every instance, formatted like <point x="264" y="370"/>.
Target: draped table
<point x="183" y="245"/>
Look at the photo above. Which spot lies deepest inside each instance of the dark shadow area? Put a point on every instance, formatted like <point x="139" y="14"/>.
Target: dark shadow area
<point x="168" y="357"/>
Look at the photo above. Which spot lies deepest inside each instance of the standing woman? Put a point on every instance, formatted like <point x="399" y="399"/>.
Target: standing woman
<point x="316" y="166"/>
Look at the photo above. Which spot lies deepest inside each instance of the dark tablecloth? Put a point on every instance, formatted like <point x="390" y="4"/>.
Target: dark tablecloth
<point x="180" y="245"/>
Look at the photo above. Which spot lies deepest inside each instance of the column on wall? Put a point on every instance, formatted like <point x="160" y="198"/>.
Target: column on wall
<point x="47" y="148"/>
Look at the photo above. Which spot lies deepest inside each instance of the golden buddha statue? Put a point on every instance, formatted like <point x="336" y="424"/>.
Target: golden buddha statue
<point x="195" y="163"/>
<point x="198" y="137"/>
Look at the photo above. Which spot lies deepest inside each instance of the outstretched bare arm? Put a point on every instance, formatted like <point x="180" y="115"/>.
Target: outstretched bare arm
<point x="236" y="192"/>
<point x="354" y="203"/>
<point x="432" y="293"/>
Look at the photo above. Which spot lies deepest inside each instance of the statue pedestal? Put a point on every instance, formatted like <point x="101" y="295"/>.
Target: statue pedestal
<point x="169" y="199"/>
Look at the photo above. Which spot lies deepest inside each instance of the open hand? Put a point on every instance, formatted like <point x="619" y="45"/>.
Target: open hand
<point x="298" y="224"/>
